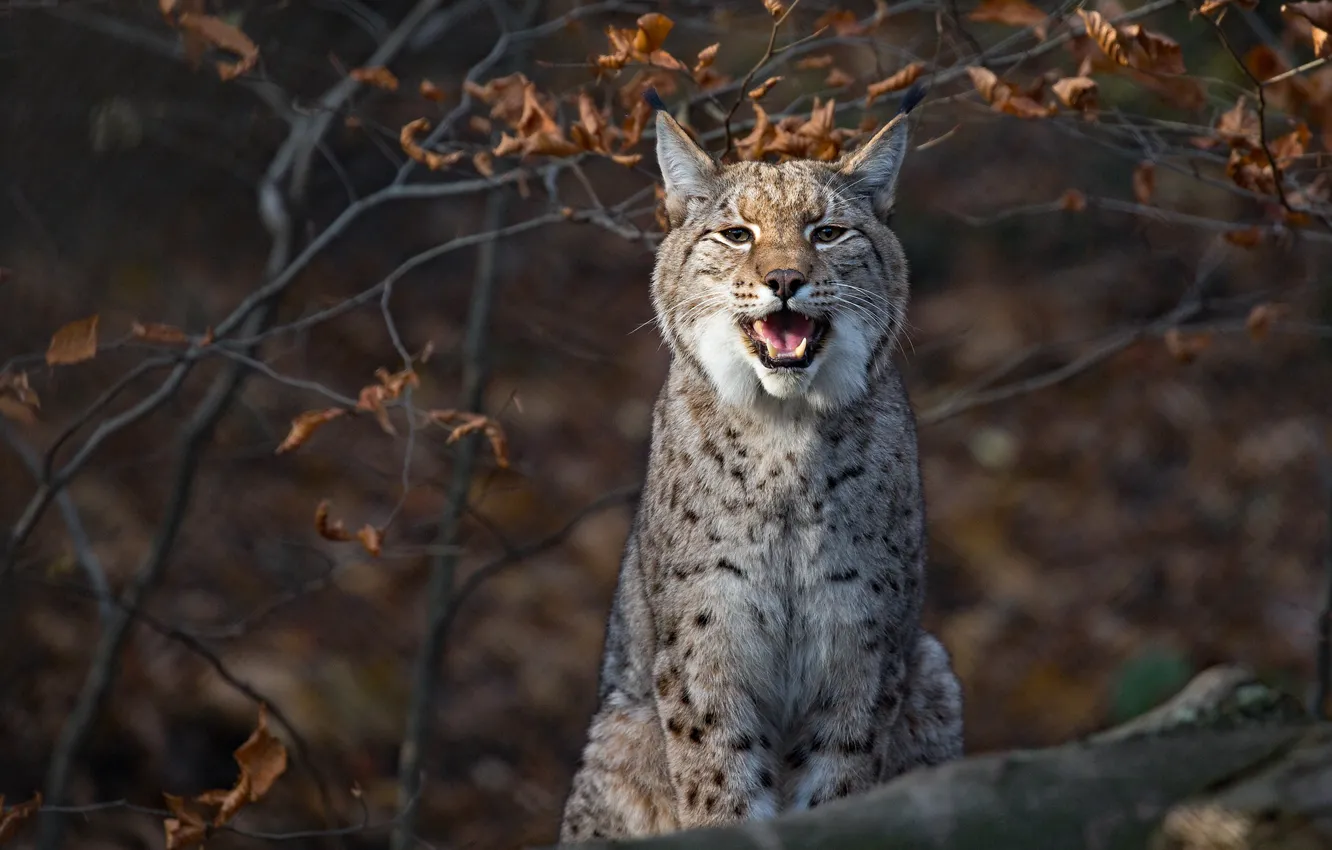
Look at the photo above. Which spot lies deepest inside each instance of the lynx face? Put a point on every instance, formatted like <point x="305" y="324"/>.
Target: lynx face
<point x="781" y="281"/>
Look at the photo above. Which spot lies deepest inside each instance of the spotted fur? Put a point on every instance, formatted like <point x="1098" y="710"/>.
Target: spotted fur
<point x="764" y="651"/>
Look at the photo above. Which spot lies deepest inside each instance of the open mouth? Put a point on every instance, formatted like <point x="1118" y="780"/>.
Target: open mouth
<point x="785" y="339"/>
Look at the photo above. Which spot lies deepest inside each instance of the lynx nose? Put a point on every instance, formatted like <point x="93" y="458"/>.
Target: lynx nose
<point x="784" y="282"/>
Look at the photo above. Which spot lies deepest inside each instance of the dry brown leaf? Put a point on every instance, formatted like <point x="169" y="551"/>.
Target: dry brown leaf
<point x="1073" y="201"/>
<point x="896" y="82"/>
<point x="18" y="400"/>
<point x="187" y="829"/>
<point x="262" y="759"/>
<point x="13" y="410"/>
<point x="12" y="820"/>
<point x="430" y="91"/>
<point x="774" y="7"/>
<point x="154" y="332"/>
<point x="484" y="163"/>
<point x="1249" y="237"/>
<point x="1105" y="35"/>
<point x="987" y="83"/>
<point x="1291" y="146"/>
<point x="634" y="124"/>
<point x="837" y="78"/>
<point x="652" y="31"/>
<point x="1319" y="16"/>
<point x="1153" y="52"/>
<point x="840" y="21"/>
<point x="377" y="76"/>
<point x="506" y="97"/>
<point x="74" y="343"/>
<point x="430" y="159"/>
<point x="1239" y="125"/>
<point x="304" y="426"/>
<point x="706" y="57"/>
<point x="224" y="36"/>
<point x="752" y="147"/>
<point x="1261" y="318"/>
<point x="372" y="539"/>
<point x="461" y="424"/>
<point x="1013" y="13"/>
<point x="329" y="529"/>
<point x="763" y="88"/>
<point x="628" y="160"/>
<point x="1144" y="182"/>
<point x="1185" y="347"/>
<point x="1024" y="107"/>
<point x="1078" y="93"/>
<point x="814" y="63"/>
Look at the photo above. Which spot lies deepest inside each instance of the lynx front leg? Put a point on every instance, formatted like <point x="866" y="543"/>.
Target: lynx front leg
<point x="719" y="753"/>
<point x="621" y="789"/>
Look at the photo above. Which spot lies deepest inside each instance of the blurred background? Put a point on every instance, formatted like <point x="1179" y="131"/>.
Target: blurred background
<point x="1119" y="348"/>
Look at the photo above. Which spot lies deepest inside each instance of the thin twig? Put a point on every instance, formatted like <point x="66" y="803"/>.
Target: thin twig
<point x="745" y="82"/>
<point x="426" y="670"/>
<point x="1323" y="674"/>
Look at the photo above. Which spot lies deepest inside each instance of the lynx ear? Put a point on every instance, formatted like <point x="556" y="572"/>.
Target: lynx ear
<point x="686" y="169"/>
<point x="873" y="169"/>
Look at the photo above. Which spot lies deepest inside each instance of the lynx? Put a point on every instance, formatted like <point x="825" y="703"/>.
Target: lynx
<point x="764" y="651"/>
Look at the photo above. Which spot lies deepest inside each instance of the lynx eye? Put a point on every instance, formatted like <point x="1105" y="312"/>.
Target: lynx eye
<point x="827" y="233"/>
<point x="736" y="235"/>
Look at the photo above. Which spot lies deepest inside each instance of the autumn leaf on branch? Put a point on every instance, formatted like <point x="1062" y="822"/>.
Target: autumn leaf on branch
<point x="1238" y="126"/>
<point x="166" y="334"/>
<point x="1013" y="13"/>
<point x="461" y="424"/>
<point x="896" y="82"/>
<point x="373" y="397"/>
<point x="329" y="529"/>
<point x="74" y="343"/>
<point x="304" y="426"/>
<point x="842" y="22"/>
<point x="837" y="78"/>
<point x="217" y="33"/>
<point x="1185" y="348"/>
<point x="1105" y="35"/>
<point x="372" y="539"/>
<point x="1249" y="237"/>
<point x="1319" y="16"/>
<point x="430" y="91"/>
<point x="262" y="759"/>
<point x="641" y="45"/>
<point x="1078" y="93"/>
<point x="377" y="76"/>
<point x="18" y="400"/>
<point x="814" y="63"/>
<point x="1073" y="201"/>
<point x="430" y="159"/>
<point x="13" y="818"/>
<point x="187" y="829"/>
<point x="1002" y="97"/>
<point x="1144" y="182"/>
<point x="1134" y="46"/>
<point x="1261" y="318"/>
<point x="703" y="72"/>
<point x="764" y="87"/>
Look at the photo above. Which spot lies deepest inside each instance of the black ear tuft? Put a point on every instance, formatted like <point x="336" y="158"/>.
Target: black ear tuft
<point x="653" y="99"/>
<point x="911" y="99"/>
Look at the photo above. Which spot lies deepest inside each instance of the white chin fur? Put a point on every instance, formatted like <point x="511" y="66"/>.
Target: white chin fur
<point x="835" y="378"/>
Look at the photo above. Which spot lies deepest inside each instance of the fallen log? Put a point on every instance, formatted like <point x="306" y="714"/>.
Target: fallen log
<point x="1227" y="764"/>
